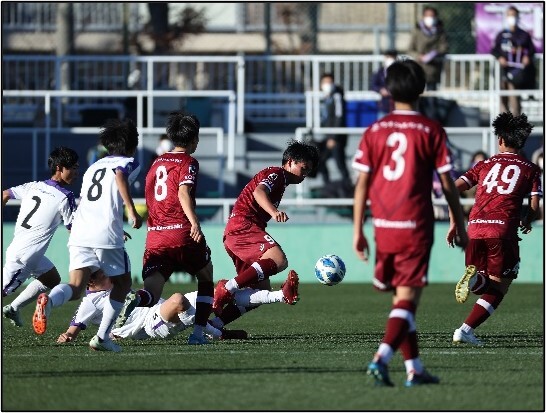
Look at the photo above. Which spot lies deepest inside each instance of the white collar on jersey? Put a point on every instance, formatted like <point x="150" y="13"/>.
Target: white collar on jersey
<point x="405" y="112"/>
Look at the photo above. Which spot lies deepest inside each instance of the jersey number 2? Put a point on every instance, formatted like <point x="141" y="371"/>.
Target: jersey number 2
<point x="38" y="201"/>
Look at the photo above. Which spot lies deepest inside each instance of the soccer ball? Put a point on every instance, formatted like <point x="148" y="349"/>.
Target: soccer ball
<point x="330" y="269"/>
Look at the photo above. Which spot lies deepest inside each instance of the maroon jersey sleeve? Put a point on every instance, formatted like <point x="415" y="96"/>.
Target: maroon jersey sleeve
<point x="502" y="183"/>
<point x="246" y="207"/>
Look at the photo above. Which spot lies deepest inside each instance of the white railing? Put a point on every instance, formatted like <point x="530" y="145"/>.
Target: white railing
<point x="48" y="95"/>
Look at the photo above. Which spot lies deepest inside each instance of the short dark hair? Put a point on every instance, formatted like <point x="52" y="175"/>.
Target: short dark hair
<point x="62" y="157"/>
<point x="182" y="128"/>
<point x="513" y="8"/>
<point x="301" y="152"/>
<point x="327" y="74"/>
<point x="391" y="52"/>
<point x="432" y="9"/>
<point x="119" y="137"/>
<point x="514" y="130"/>
<point x="405" y="80"/>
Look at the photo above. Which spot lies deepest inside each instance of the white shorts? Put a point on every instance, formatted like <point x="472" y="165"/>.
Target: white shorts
<point x="113" y="262"/>
<point x="156" y="327"/>
<point x="16" y="272"/>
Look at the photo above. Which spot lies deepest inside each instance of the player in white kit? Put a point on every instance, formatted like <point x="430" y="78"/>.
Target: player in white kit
<point x="164" y="319"/>
<point x="44" y="206"/>
<point x="97" y="236"/>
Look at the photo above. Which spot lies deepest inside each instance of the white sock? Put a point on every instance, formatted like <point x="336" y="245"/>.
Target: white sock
<point x="111" y="311"/>
<point x="414" y="365"/>
<point x="29" y="294"/>
<point x="466" y="328"/>
<point x="232" y="285"/>
<point x="385" y="353"/>
<point x="60" y="295"/>
<point x="248" y="297"/>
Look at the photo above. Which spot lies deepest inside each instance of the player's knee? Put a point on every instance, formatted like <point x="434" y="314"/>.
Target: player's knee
<point x="282" y="263"/>
<point x="177" y="301"/>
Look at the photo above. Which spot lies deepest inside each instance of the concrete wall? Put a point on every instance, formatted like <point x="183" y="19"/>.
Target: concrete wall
<point x="304" y="244"/>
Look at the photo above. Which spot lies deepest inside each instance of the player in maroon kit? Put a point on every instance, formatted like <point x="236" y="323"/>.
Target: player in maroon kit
<point x="395" y="160"/>
<point x="492" y="255"/>
<point x="174" y="240"/>
<point x="254" y="252"/>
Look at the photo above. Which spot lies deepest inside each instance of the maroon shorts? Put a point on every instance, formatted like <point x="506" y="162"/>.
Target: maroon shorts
<point x="246" y="244"/>
<point x="188" y="258"/>
<point x="401" y="269"/>
<point x="494" y="256"/>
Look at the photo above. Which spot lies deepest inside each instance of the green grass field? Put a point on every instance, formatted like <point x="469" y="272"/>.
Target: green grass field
<point x="305" y="357"/>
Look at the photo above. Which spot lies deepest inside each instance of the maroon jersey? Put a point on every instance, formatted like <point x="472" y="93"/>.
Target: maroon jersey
<point x="247" y="208"/>
<point x="168" y="226"/>
<point x="503" y="181"/>
<point x="401" y="151"/>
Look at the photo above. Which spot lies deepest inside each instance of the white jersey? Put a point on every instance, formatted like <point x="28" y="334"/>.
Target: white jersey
<point x="98" y="222"/>
<point x="44" y="206"/>
<point x="140" y="323"/>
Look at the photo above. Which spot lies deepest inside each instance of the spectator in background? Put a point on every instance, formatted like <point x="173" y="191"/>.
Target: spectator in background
<point x="95" y="153"/>
<point x="333" y="116"/>
<point x="163" y="146"/>
<point x="428" y="46"/>
<point x="514" y="49"/>
<point x="386" y="104"/>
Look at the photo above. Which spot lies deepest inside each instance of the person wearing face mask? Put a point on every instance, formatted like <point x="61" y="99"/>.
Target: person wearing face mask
<point x="514" y="50"/>
<point x="386" y="104"/>
<point x="333" y="116"/>
<point x="428" y="46"/>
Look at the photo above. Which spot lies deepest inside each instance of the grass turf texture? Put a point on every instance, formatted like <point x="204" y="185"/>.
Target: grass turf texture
<point x="305" y="357"/>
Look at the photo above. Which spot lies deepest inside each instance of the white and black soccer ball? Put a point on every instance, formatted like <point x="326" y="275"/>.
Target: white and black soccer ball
<point x="330" y="269"/>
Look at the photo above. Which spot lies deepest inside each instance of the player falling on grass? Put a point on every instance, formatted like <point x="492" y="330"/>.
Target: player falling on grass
<point x="165" y="319"/>
<point x="492" y="255"/>
<point x="174" y="241"/>
<point x="97" y="236"/>
<point x="395" y="160"/>
<point x="254" y="252"/>
<point x="44" y="206"/>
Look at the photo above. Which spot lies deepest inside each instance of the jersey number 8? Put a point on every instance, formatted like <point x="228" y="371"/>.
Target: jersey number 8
<point x="160" y="188"/>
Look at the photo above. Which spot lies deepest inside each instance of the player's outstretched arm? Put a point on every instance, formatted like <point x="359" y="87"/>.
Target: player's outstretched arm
<point x="70" y="335"/>
<point x="123" y="188"/>
<point x="532" y="213"/>
<point x="457" y="231"/>
<point x="5" y="197"/>
<point x="261" y="195"/>
<point x="186" y="202"/>
<point x="360" y="243"/>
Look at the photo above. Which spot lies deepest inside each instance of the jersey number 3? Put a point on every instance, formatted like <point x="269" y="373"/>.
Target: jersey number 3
<point x="397" y="156"/>
<point x="509" y="178"/>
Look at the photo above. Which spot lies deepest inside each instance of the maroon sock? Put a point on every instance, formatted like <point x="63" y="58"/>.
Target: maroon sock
<point x="479" y="313"/>
<point x="409" y="347"/>
<point x="231" y="313"/>
<point x="481" y="285"/>
<point x="203" y="305"/>
<point x="146" y="298"/>
<point x="258" y="271"/>
<point x="397" y="328"/>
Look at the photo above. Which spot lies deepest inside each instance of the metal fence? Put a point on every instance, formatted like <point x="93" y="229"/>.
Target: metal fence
<point x="267" y="88"/>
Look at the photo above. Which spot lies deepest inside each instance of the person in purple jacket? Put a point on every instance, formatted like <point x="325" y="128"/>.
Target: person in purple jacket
<point x="514" y="49"/>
